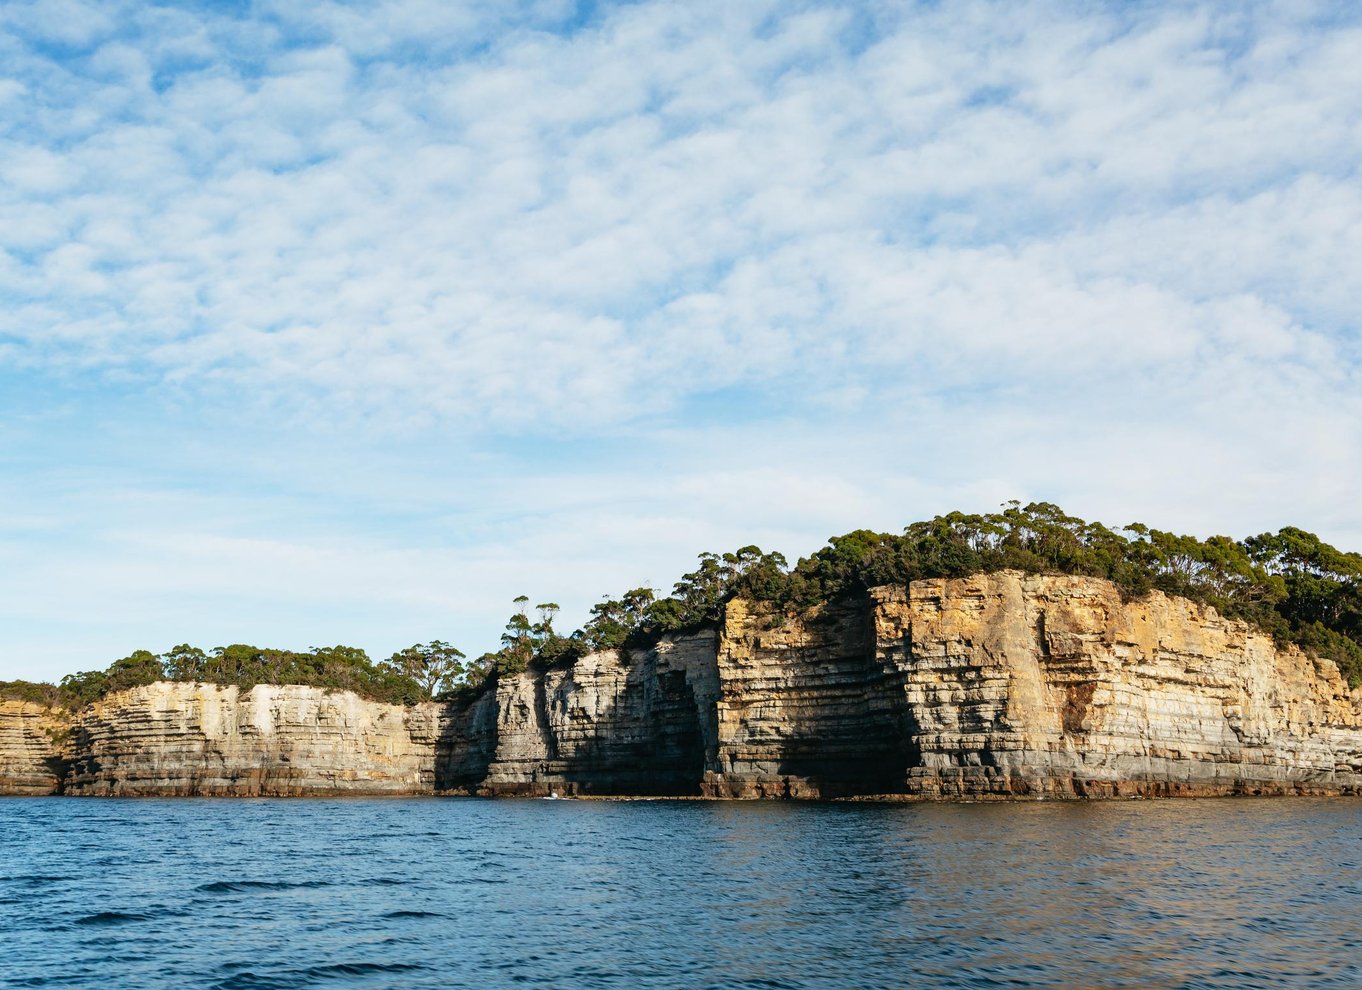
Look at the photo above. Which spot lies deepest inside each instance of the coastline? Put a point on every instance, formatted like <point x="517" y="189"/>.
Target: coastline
<point x="997" y="687"/>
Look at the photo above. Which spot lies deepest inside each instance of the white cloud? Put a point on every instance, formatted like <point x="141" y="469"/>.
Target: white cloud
<point x="958" y="256"/>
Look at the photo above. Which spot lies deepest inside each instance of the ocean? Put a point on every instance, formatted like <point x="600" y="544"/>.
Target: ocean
<point x="266" y="894"/>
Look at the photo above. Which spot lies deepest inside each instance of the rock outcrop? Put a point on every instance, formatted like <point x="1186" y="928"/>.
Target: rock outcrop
<point x="33" y="740"/>
<point x="638" y="723"/>
<point x="1026" y="685"/>
<point x="994" y="686"/>
<point x="203" y="739"/>
<point x="807" y="708"/>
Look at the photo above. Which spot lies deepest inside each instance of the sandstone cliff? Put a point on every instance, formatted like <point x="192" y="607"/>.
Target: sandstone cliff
<point x="202" y="739"/>
<point x="32" y="747"/>
<point x="1023" y="685"/>
<point x="1001" y="685"/>
<point x="612" y="723"/>
<point x="806" y="707"/>
<point x="993" y="686"/>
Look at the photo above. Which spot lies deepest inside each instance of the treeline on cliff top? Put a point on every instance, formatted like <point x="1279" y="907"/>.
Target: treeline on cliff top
<point x="1290" y="583"/>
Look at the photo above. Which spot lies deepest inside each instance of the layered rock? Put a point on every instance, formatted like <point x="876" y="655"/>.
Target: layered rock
<point x="33" y="748"/>
<point x="204" y="739"/>
<point x="992" y="686"/>
<point x="1029" y="685"/>
<point x="806" y="708"/>
<point x="634" y="722"/>
<point x="465" y="739"/>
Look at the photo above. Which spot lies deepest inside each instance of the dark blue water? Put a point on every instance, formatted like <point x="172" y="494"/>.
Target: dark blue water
<point x="466" y="893"/>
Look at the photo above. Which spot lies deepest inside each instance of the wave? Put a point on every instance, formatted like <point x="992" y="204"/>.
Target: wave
<point x="246" y="886"/>
<point x="113" y="918"/>
<point x="36" y="881"/>
<point x="311" y="976"/>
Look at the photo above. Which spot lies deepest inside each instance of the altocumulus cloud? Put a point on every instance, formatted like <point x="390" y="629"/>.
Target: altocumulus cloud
<point x="326" y="319"/>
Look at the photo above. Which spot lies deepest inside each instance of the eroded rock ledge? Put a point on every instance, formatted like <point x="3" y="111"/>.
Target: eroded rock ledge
<point x="995" y="686"/>
<point x="33" y="748"/>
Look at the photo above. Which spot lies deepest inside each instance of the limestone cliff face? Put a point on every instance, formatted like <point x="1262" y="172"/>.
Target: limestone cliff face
<point x="203" y="739"/>
<point x="994" y="686"/>
<point x="32" y="748"/>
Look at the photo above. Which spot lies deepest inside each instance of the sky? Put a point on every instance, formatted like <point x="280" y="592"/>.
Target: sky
<point x="329" y="322"/>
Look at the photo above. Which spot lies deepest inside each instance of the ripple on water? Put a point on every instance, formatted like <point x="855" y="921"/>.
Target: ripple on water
<point x="253" y="886"/>
<point x="36" y="881"/>
<point x="677" y="895"/>
<point x="357" y="973"/>
<point x="106" y="918"/>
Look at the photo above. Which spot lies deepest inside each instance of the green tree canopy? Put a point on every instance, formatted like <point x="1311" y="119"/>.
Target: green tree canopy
<point x="1290" y="583"/>
<point x="435" y="666"/>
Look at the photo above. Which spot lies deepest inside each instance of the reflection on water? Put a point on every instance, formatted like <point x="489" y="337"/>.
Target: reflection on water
<point x="453" y="893"/>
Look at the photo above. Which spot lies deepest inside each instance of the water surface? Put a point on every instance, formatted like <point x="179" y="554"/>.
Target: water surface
<point x="679" y="895"/>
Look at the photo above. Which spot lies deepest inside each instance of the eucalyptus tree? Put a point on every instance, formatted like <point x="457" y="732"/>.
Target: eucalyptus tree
<point x="435" y="666"/>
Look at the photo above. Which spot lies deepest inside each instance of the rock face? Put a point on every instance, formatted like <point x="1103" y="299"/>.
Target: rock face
<point x="994" y="686"/>
<point x="635" y="723"/>
<point x="202" y="739"/>
<point x="1026" y="685"/>
<point x="807" y="708"/>
<point x="32" y="748"/>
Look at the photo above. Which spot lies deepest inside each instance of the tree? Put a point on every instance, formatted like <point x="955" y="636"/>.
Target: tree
<point x="184" y="662"/>
<point x="435" y="666"/>
<point x="482" y="668"/>
<point x="614" y="620"/>
<point x="518" y="641"/>
<point x="140" y="668"/>
<point x="548" y="611"/>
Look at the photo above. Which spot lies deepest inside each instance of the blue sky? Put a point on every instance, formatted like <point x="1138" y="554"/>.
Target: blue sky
<point x="331" y="322"/>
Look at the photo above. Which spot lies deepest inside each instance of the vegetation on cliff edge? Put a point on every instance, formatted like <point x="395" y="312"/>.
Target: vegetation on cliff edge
<point x="1290" y="583"/>
<point x="414" y="674"/>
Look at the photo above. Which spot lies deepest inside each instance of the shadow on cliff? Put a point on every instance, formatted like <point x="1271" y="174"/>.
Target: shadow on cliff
<point x="58" y="767"/>
<point x="850" y="729"/>
<point x="570" y="731"/>
<point x="465" y="742"/>
<point x="648" y="743"/>
<point x="834" y="724"/>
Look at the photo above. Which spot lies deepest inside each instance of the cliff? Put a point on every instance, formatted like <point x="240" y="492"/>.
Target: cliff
<point x="1027" y="685"/>
<point x="993" y="686"/>
<point x="202" y="739"/>
<point x="638" y="723"/>
<point x="32" y="747"/>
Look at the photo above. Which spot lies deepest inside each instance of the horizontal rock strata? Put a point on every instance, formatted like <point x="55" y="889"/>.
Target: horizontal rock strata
<point x="1026" y="685"/>
<point x="290" y="740"/>
<point x="639" y="723"/>
<point x="33" y="742"/>
<point x="988" y="687"/>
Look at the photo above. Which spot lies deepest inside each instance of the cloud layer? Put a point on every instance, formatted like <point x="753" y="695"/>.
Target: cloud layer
<point x="649" y="275"/>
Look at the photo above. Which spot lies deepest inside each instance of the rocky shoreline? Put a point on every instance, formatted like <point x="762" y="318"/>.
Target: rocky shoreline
<point x="993" y="687"/>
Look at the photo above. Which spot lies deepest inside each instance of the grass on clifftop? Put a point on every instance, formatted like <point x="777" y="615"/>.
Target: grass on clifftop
<point x="1289" y="583"/>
